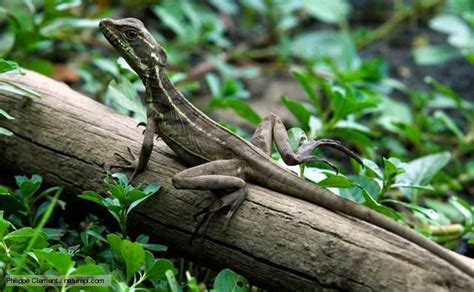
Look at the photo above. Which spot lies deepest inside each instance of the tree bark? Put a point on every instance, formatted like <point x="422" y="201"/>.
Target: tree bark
<point x="277" y="242"/>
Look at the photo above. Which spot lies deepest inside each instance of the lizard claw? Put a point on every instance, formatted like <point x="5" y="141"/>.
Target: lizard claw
<point x="130" y="163"/>
<point x="143" y="124"/>
<point x="234" y="200"/>
<point x="305" y="151"/>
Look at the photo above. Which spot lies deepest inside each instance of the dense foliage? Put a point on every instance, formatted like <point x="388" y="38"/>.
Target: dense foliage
<point x="417" y="145"/>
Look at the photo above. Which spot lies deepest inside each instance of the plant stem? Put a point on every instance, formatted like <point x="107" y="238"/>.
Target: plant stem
<point x="403" y="13"/>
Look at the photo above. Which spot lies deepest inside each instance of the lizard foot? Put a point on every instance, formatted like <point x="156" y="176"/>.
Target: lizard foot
<point x="233" y="200"/>
<point x="304" y="153"/>
<point x="142" y="124"/>
<point x="130" y="163"/>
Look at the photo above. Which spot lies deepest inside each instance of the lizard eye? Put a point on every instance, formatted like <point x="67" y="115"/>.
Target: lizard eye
<point x="131" y="34"/>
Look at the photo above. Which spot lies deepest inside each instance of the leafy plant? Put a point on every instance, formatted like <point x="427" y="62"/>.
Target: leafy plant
<point x="127" y="264"/>
<point x="26" y="205"/>
<point x="122" y="197"/>
<point x="457" y="21"/>
<point x="9" y="66"/>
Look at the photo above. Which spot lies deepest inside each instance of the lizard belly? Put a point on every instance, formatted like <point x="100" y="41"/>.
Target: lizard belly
<point x="183" y="154"/>
<point x="192" y="147"/>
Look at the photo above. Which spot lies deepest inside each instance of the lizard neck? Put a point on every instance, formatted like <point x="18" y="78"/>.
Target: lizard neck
<point x="161" y="94"/>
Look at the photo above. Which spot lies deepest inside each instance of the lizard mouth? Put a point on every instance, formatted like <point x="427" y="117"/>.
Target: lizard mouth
<point x="107" y="28"/>
<point x="114" y="36"/>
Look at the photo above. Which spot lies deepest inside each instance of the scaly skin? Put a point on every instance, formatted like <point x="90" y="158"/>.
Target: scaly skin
<point x="223" y="160"/>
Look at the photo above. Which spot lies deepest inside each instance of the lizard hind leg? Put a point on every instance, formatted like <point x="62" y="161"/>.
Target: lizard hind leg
<point x="222" y="176"/>
<point x="272" y="129"/>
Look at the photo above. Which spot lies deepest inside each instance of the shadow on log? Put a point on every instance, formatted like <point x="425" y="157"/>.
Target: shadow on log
<point x="277" y="242"/>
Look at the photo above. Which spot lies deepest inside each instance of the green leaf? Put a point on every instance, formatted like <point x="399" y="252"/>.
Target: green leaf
<point x="6" y="66"/>
<point x="154" y="247"/>
<point x="122" y="178"/>
<point x="295" y="137"/>
<point x="107" y="66"/>
<point x="433" y="55"/>
<point x="338" y="181"/>
<point x="115" y="243"/>
<point x="158" y="270"/>
<point x="347" y="101"/>
<point x="29" y="186"/>
<point x="460" y="34"/>
<point x="137" y="202"/>
<point x="374" y="205"/>
<point x="305" y="83"/>
<point x="88" y="269"/>
<point x="445" y="208"/>
<point x="5" y="191"/>
<point x="450" y="124"/>
<point x="369" y="164"/>
<point x="151" y="188"/>
<point x="118" y="192"/>
<point x="22" y="236"/>
<point x="298" y="110"/>
<point x="67" y="4"/>
<point x="171" y="279"/>
<point x="465" y="209"/>
<point x="449" y="23"/>
<point x="18" y="89"/>
<point x="324" y="44"/>
<point x="392" y="167"/>
<point x="412" y="186"/>
<point x="60" y="27"/>
<point x="330" y="11"/>
<point x="4" y="226"/>
<point x="133" y="255"/>
<point x="62" y="262"/>
<point x="444" y="90"/>
<point x="428" y="216"/>
<point x="352" y="136"/>
<point x="5" y="115"/>
<point x="5" y="132"/>
<point x="169" y="20"/>
<point x="420" y="171"/>
<point x="92" y="196"/>
<point x="124" y="98"/>
<point x="355" y="193"/>
<point x="192" y="283"/>
<point x="133" y="195"/>
<point x="239" y="107"/>
<point x="228" y="280"/>
<point x="214" y="84"/>
<point x="42" y="66"/>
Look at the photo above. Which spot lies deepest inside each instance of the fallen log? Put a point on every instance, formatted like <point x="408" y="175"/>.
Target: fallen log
<point x="277" y="242"/>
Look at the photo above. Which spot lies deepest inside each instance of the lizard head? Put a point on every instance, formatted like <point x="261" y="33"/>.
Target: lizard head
<point x="134" y="43"/>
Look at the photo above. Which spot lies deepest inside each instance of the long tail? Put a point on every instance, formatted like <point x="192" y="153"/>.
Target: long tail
<point x="322" y="197"/>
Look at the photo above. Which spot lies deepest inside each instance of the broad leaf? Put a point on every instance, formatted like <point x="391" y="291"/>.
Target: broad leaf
<point x="374" y="205"/>
<point x="420" y="171"/>
<point x="330" y="11"/>
<point x="298" y="109"/>
<point x="133" y="255"/>
<point x="62" y="262"/>
<point x="228" y="280"/>
<point x="158" y="270"/>
<point x="338" y="181"/>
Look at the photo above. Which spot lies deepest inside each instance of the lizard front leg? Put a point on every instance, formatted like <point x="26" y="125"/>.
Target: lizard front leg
<point x="272" y="129"/>
<point x="139" y="165"/>
<point x="219" y="175"/>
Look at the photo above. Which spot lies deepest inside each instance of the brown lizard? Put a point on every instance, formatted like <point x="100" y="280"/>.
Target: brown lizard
<point x="221" y="160"/>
